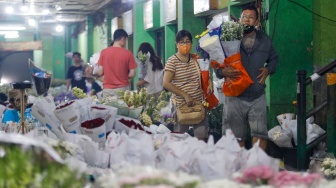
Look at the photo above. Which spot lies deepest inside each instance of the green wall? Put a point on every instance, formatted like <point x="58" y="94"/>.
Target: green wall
<point x="58" y="62"/>
<point x="324" y="45"/>
<point x="82" y="44"/>
<point x="99" y="38"/>
<point x="140" y="35"/>
<point x="187" y="20"/>
<point x="290" y="28"/>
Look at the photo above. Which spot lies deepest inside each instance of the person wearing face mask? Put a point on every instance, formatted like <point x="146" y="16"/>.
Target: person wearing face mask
<point x="260" y="59"/>
<point x="12" y="114"/>
<point x="181" y="77"/>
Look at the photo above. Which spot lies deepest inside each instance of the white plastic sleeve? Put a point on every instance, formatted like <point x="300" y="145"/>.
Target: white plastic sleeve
<point x="314" y="77"/>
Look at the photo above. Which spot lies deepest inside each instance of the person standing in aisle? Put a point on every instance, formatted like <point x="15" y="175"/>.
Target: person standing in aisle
<point x="116" y="64"/>
<point x="152" y="80"/>
<point x="182" y="78"/>
<point x="260" y="59"/>
<point x="75" y="75"/>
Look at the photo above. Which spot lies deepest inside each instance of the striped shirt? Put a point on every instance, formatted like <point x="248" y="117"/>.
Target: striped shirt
<point x="186" y="77"/>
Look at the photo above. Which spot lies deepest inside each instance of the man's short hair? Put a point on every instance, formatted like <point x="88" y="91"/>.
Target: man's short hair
<point x="76" y="54"/>
<point x="119" y="34"/>
<point x="251" y="7"/>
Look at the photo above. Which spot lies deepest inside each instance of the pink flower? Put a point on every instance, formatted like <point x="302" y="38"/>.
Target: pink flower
<point x="257" y="175"/>
<point x="287" y="178"/>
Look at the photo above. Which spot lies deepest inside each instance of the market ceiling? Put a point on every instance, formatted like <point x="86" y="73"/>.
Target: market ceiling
<point x="46" y="14"/>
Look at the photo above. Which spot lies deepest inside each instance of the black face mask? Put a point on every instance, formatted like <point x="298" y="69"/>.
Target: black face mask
<point x="248" y="29"/>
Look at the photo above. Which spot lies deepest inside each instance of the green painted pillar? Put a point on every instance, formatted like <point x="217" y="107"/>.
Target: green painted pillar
<point x="37" y="33"/>
<point x="67" y="46"/>
<point x="74" y="39"/>
<point x="109" y="16"/>
<point x="170" y="47"/>
<point x="90" y="29"/>
<point x="59" y="68"/>
<point x="187" y="20"/>
<point x="324" y="28"/>
<point x="140" y="35"/>
<point x="292" y="42"/>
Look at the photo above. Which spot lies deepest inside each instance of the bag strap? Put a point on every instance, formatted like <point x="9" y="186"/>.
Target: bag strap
<point x="199" y="75"/>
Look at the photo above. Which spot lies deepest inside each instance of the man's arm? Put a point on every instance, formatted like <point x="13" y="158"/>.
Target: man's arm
<point x="272" y="60"/>
<point x="98" y="71"/>
<point x="131" y="74"/>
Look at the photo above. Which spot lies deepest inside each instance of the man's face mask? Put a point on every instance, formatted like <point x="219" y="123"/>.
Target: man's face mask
<point x="248" y="29"/>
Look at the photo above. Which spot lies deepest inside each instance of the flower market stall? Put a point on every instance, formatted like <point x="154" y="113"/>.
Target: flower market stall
<point x="76" y="140"/>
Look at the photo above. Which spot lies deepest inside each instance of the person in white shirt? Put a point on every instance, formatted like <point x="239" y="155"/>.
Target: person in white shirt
<point x="153" y="75"/>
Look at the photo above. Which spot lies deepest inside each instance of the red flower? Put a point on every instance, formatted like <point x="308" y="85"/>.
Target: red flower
<point x="65" y="105"/>
<point x="98" y="108"/>
<point x="94" y="123"/>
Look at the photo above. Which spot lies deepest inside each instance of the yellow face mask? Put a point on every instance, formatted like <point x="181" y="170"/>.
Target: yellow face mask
<point x="184" y="49"/>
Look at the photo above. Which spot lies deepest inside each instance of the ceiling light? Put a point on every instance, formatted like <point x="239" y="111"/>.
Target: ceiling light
<point x="11" y="27"/>
<point x="8" y="32"/>
<point x="57" y="7"/>
<point x="59" y="28"/>
<point x="24" y="8"/>
<point x="46" y="11"/>
<point x="32" y="22"/>
<point x="11" y="36"/>
<point x="9" y="10"/>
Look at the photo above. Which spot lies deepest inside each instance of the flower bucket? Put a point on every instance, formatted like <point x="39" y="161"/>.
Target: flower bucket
<point x="135" y="112"/>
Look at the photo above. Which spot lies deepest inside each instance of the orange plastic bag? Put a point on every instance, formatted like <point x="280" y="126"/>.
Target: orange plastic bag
<point x="209" y="98"/>
<point x="234" y="87"/>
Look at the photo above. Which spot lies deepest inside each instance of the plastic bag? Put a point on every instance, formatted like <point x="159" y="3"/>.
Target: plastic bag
<point x="234" y="87"/>
<point x="41" y="78"/>
<point x="280" y="137"/>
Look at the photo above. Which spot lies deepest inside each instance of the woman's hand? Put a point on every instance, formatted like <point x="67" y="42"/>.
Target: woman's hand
<point x="210" y="88"/>
<point x="189" y="100"/>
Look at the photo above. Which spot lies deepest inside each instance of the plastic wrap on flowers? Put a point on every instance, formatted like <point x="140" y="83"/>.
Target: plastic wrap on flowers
<point x="41" y="79"/>
<point x="95" y="129"/>
<point x="212" y="46"/>
<point x="69" y="115"/>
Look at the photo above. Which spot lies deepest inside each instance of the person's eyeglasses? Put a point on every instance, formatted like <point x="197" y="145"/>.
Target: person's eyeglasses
<point x="184" y="42"/>
<point x="248" y="17"/>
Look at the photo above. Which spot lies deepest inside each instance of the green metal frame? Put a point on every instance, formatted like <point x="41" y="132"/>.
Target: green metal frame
<point x="302" y="147"/>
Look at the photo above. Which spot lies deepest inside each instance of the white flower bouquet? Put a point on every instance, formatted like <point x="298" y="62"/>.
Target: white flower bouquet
<point x="142" y="60"/>
<point x="222" y="42"/>
<point x="329" y="168"/>
<point x="230" y="36"/>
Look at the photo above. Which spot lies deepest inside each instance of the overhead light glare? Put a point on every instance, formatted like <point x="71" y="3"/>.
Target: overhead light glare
<point x="32" y="22"/>
<point x="12" y="28"/>
<point x="9" y="10"/>
<point x="57" y="7"/>
<point x="11" y="36"/>
<point x="59" y="28"/>
<point x="8" y="32"/>
<point x="24" y="8"/>
<point x="45" y="12"/>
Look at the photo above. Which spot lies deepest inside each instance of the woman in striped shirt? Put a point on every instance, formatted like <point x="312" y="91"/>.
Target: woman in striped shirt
<point x="182" y="78"/>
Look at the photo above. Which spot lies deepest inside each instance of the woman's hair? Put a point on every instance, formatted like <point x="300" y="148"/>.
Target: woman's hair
<point x="145" y="47"/>
<point x="181" y="34"/>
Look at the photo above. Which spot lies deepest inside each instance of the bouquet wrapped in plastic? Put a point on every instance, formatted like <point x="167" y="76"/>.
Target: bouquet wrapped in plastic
<point x="223" y="45"/>
<point x="41" y="78"/>
<point x="142" y="60"/>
